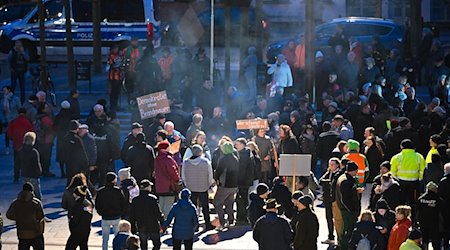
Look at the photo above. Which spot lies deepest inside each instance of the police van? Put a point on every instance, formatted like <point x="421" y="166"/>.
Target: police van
<point x="120" y="21"/>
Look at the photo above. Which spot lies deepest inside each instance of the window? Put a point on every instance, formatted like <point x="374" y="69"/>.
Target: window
<point x="363" y="8"/>
<point x="82" y="10"/>
<point x="122" y="11"/>
<point x="326" y="31"/>
<point x="53" y="10"/>
<point x="357" y="29"/>
<point x="380" y="30"/>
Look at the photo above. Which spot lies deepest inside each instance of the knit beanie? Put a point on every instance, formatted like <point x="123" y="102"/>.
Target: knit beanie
<point x="262" y="188"/>
<point x="125" y="173"/>
<point x="351" y="166"/>
<point x="28" y="187"/>
<point x="227" y="148"/>
<point x="80" y="191"/>
<point x="352" y="145"/>
<point x="432" y="187"/>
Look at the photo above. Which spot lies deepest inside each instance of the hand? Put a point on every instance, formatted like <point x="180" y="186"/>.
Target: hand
<point x="383" y="231"/>
<point x="267" y="158"/>
<point x="378" y="189"/>
<point x="275" y="164"/>
<point x="360" y="190"/>
<point x="176" y="137"/>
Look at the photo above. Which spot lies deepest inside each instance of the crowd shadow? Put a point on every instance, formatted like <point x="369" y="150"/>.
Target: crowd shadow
<point x="8" y="228"/>
<point x="169" y="241"/>
<point x="230" y="234"/>
<point x="56" y="215"/>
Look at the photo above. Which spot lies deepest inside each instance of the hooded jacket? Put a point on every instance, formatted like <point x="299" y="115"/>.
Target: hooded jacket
<point x="272" y="232"/>
<point x="141" y="159"/>
<point x="165" y="173"/>
<point x="186" y="220"/>
<point x="399" y="234"/>
<point x="227" y="171"/>
<point x="197" y="174"/>
<point x="28" y="213"/>
<point x="145" y="214"/>
<point x="255" y="208"/>
<point x="369" y="230"/>
<point x="29" y="163"/>
<point x="307" y="230"/>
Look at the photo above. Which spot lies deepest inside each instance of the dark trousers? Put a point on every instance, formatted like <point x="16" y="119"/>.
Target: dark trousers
<point x="45" y="152"/>
<point x="21" y="77"/>
<point x="349" y="220"/>
<point x="242" y="204"/>
<point x="329" y="217"/>
<point x="154" y="237"/>
<point x="202" y="197"/>
<point x="266" y="177"/>
<point x="77" y="240"/>
<point x="410" y="191"/>
<point x="116" y="86"/>
<point x="187" y="244"/>
<point x="5" y="127"/>
<point x="16" y="166"/>
<point x="130" y="82"/>
<point x="37" y="243"/>
<point x="434" y="238"/>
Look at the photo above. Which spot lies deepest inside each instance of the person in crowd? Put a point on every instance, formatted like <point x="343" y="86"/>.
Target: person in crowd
<point x="30" y="164"/>
<point x="120" y="240"/>
<point x="141" y="159"/>
<point x="68" y="200"/>
<point x="414" y="240"/>
<point x="227" y="177"/>
<point x="173" y="136"/>
<point x="166" y="177"/>
<point x="348" y="201"/>
<point x="375" y="155"/>
<point x="10" y="110"/>
<point x="61" y="126"/>
<point x="434" y="171"/>
<point x="89" y="145"/>
<point x="146" y="217"/>
<point x="166" y="63"/>
<point x="208" y="97"/>
<point x="31" y="108"/>
<point x="266" y="153"/>
<point x="116" y="75"/>
<point x="74" y="104"/>
<point x="385" y="220"/>
<point x="365" y="233"/>
<point x="42" y="101"/>
<point x="343" y="127"/>
<point x="337" y="215"/>
<point x="132" y="55"/>
<point x="435" y="140"/>
<point x="257" y="200"/>
<point x="326" y="142"/>
<point x="18" y="59"/>
<point x="133" y="242"/>
<point x="194" y="128"/>
<point x="307" y="143"/>
<point x="130" y="140"/>
<point x="325" y="183"/>
<point x="288" y="142"/>
<point x="185" y="218"/>
<point x="399" y="232"/>
<point x="80" y="217"/>
<point x="307" y="226"/>
<point x="249" y="66"/>
<point x="359" y="159"/>
<point x="77" y="161"/>
<point x="444" y="194"/>
<point x="197" y="176"/>
<point x="408" y="167"/>
<point x="281" y="193"/>
<point x="44" y="140"/>
<point x="199" y="139"/>
<point x="246" y="177"/>
<point x="272" y="231"/>
<point x="385" y="167"/>
<point x="281" y="74"/>
<point x="129" y="187"/>
<point x="16" y="131"/>
<point x="28" y="214"/>
<point x="429" y="216"/>
<point x="110" y="204"/>
<point x="153" y="128"/>
<point x="389" y="190"/>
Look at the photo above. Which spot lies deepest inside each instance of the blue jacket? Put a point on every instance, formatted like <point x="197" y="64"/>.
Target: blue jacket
<point x="120" y="241"/>
<point x="186" y="220"/>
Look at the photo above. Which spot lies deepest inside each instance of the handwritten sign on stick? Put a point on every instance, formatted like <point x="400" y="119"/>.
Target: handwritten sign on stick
<point x="152" y="104"/>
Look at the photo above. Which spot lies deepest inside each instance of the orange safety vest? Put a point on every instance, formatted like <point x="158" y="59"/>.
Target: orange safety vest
<point x="360" y="160"/>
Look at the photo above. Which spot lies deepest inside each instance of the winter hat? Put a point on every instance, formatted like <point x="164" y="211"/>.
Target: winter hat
<point x="415" y="234"/>
<point x="74" y="125"/>
<point x="407" y="144"/>
<point x="352" y="145"/>
<point x="163" y="145"/>
<point x="227" y="148"/>
<point x="277" y="180"/>
<point x="80" y="191"/>
<point x="386" y="164"/>
<point x="297" y="194"/>
<point x="110" y="177"/>
<point x="185" y="194"/>
<point x="197" y="150"/>
<point x="436" y="101"/>
<point x="27" y="186"/>
<point x="125" y="173"/>
<point x="319" y="54"/>
<point x="433" y="187"/>
<point x="145" y="183"/>
<point x="351" y="166"/>
<point x="65" y="105"/>
<point x="136" y="125"/>
<point x="84" y="126"/>
<point x="382" y="204"/>
<point x="333" y="104"/>
<point x="262" y="188"/>
<point x="306" y="200"/>
<point x="271" y="203"/>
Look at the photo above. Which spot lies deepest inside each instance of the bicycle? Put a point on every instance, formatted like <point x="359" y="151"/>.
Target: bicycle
<point x="36" y="83"/>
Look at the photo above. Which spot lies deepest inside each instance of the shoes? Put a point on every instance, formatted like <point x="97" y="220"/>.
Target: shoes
<point x="328" y="241"/>
<point x="46" y="219"/>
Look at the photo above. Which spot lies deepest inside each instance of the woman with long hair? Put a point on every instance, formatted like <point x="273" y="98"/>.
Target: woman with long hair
<point x="200" y="139"/>
<point x="288" y="142"/>
<point x="375" y="155"/>
<point x="67" y="199"/>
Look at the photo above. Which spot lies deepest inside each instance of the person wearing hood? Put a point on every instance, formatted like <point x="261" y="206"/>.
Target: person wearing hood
<point x="249" y="65"/>
<point x="281" y="73"/>
<point x="257" y="200"/>
<point x="61" y="126"/>
<point x="130" y="140"/>
<point x="272" y="231"/>
<point x="75" y="154"/>
<point x="28" y="213"/>
<point x="186" y="221"/>
<point x="281" y="193"/>
<point x="227" y="178"/>
<point x="197" y="176"/>
<point x="399" y="232"/>
<point x="28" y="160"/>
<point x="140" y="157"/>
<point x="389" y="190"/>
<point x="146" y="217"/>
<point x="385" y="220"/>
<point x="429" y="216"/>
<point x="80" y="217"/>
<point x="246" y="176"/>
<point x="129" y="187"/>
<point x="414" y="241"/>
<point x="365" y="229"/>
<point x="385" y="167"/>
<point x="307" y="226"/>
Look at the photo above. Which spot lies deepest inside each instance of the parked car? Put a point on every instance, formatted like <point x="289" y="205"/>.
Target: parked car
<point x="360" y="28"/>
<point x="13" y="12"/>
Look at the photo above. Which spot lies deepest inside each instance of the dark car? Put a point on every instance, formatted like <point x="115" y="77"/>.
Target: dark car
<point x="360" y="28"/>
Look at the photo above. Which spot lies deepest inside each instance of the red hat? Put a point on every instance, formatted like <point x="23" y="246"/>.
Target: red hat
<point x="163" y="145"/>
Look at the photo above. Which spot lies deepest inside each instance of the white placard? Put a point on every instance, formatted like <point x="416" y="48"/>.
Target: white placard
<point x="295" y="165"/>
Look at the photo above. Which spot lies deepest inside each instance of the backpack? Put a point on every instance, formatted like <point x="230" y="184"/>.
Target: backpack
<point x="363" y="243"/>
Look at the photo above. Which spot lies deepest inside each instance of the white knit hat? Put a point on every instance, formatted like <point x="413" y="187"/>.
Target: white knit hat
<point x="65" y="105"/>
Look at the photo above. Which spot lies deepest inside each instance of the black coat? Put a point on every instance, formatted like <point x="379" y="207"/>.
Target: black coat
<point x="80" y="216"/>
<point x="374" y="158"/>
<point x="387" y="221"/>
<point x="255" y="209"/>
<point x="272" y="232"/>
<point x="392" y="195"/>
<point x="289" y="146"/>
<point x="110" y="202"/>
<point x="141" y="157"/>
<point x="28" y="162"/>
<point x="307" y="230"/>
<point x="61" y="126"/>
<point x="128" y="142"/>
<point x="246" y="168"/>
<point x="368" y="229"/>
<point x="346" y="194"/>
<point x="227" y="171"/>
<point x="74" y="154"/>
<point x="326" y="142"/>
<point x="283" y="196"/>
<point x="325" y="182"/>
<point x="444" y="193"/>
<point x="150" y="132"/>
<point x="429" y="213"/>
<point x="433" y="172"/>
<point x="145" y="215"/>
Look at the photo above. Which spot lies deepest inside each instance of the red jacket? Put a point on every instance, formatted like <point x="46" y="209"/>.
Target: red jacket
<point x="399" y="234"/>
<point x="165" y="173"/>
<point x="17" y="129"/>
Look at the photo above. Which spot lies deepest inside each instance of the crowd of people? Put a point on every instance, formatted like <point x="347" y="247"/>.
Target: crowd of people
<point x="373" y="134"/>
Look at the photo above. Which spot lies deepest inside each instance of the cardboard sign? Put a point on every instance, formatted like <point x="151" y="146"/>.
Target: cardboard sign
<point x="295" y="165"/>
<point x="252" y="124"/>
<point x="153" y="104"/>
<point x="175" y="147"/>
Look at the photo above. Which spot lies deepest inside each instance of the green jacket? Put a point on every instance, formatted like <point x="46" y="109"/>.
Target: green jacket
<point x="408" y="165"/>
<point x="409" y="245"/>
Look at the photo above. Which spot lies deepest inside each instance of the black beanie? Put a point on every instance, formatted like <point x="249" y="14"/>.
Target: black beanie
<point x="27" y="186"/>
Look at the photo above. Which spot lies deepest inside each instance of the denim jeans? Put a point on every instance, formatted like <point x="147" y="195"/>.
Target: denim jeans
<point x="166" y="203"/>
<point x="36" y="185"/>
<point x="106" y="225"/>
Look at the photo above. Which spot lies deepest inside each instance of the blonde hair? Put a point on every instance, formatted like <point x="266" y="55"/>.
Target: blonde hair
<point x="124" y="226"/>
<point x="403" y="209"/>
<point x="253" y="146"/>
<point x="29" y="138"/>
<point x="195" y="139"/>
<point x="366" y="215"/>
